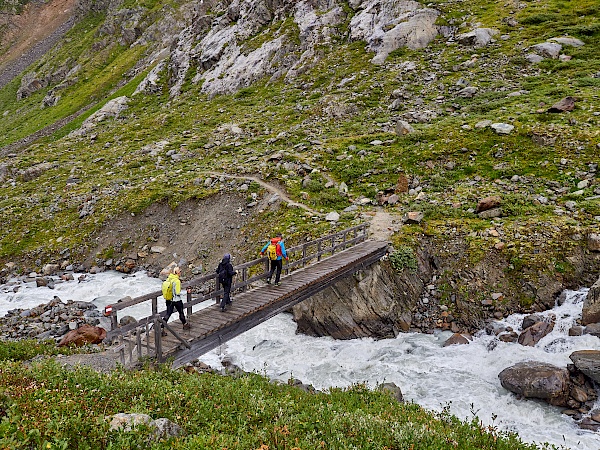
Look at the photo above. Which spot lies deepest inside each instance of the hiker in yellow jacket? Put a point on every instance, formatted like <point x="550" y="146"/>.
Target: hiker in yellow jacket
<point x="175" y="302"/>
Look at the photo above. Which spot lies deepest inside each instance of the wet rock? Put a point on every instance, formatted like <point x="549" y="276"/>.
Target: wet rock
<point x="589" y="424"/>
<point x="591" y="305"/>
<point x="532" y="335"/>
<point x="533" y="379"/>
<point x="593" y="329"/>
<point x="457" y="339"/>
<point x="588" y="362"/>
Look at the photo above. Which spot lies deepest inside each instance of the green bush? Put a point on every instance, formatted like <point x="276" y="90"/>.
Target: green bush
<point x="403" y="258"/>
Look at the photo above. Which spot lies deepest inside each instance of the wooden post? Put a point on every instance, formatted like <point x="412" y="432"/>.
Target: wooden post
<point x="332" y="244"/>
<point x="188" y="300"/>
<point x="318" y="250"/>
<point x="244" y="278"/>
<point x="157" y="339"/>
<point x="304" y="254"/>
<point x="113" y="321"/>
<point x="217" y="297"/>
<point x="154" y="306"/>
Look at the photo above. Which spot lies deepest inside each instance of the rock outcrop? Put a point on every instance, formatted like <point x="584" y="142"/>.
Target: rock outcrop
<point x="376" y="302"/>
<point x="591" y="306"/>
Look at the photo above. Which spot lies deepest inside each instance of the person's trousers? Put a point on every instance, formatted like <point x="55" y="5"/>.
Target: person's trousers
<point x="171" y="306"/>
<point x="276" y="266"/>
<point x="226" y="300"/>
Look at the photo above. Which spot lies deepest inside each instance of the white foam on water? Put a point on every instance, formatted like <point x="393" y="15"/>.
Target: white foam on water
<point x="461" y="377"/>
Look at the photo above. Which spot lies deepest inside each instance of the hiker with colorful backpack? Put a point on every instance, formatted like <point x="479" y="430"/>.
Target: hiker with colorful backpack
<point x="275" y="251"/>
<point x="171" y="290"/>
<point x="226" y="273"/>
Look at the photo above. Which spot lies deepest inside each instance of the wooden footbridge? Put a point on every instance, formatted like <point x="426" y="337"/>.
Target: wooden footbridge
<point x="312" y="267"/>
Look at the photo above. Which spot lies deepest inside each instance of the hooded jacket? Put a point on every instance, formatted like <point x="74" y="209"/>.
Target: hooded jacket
<point x="176" y="284"/>
<point x="225" y="268"/>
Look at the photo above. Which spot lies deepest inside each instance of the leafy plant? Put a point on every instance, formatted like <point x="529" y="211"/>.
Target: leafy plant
<point x="403" y="258"/>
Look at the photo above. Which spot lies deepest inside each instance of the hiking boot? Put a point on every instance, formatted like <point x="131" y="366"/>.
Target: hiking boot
<point x="268" y="281"/>
<point x="223" y="309"/>
<point x="277" y="284"/>
<point x="186" y="326"/>
<point x="163" y="333"/>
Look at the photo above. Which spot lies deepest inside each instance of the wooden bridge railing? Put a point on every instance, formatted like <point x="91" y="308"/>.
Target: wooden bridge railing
<point x="248" y="273"/>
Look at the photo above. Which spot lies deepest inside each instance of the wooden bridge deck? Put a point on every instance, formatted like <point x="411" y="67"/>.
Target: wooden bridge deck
<point x="211" y="327"/>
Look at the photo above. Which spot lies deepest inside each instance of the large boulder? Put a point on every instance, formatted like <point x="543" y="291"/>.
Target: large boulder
<point x="534" y="379"/>
<point x="532" y="334"/>
<point x="588" y="362"/>
<point x="85" y="334"/>
<point x="591" y="305"/>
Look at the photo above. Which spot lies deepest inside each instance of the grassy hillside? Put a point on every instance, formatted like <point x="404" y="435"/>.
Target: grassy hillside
<point x="328" y="119"/>
<point x="324" y="120"/>
<point x="46" y="407"/>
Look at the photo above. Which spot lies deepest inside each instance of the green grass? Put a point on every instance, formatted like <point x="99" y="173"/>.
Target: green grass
<point x="45" y="406"/>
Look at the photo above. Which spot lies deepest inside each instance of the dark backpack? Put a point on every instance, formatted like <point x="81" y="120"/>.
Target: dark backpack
<point x="222" y="272"/>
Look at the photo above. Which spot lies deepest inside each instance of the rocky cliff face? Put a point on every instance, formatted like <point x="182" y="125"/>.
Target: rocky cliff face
<point x="242" y="41"/>
<point x="447" y="292"/>
<point x="376" y="302"/>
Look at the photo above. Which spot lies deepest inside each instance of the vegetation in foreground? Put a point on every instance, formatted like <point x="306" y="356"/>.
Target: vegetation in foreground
<point x="43" y="406"/>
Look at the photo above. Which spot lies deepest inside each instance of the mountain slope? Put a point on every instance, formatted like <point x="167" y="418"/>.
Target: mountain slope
<point x="342" y="104"/>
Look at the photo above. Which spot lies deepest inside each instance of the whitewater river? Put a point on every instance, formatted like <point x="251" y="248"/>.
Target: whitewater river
<point x="463" y="377"/>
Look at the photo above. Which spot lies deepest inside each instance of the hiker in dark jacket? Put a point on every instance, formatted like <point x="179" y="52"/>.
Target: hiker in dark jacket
<point x="226" y="273"/>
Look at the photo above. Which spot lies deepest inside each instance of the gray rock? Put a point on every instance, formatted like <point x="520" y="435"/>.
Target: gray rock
<point x="502" y="128"/>
<point x="547" y="49"/>
<point x="568" y="41"/>
<point x="588" y="361"/>
<point x="333" y="216"/>
<point x="534" y="379"/>
<point x="534" y="58"/>
<point x="591" y="305"/>
<point x="468" y="92"/>
<point x="393" y="390"/>
<point x="594" y="242"/>
<point x="480" y="37"/>
<point x="490" y="213"/>
<point x="403" y="128"/>
<point x="387" y="26"/>
<point x="483" y="124"/>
